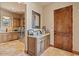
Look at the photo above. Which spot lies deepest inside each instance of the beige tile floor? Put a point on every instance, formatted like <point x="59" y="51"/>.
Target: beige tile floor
<point x="57" y="52"/>
<point x="12" y="48"/>
<point x="16" y="48"/>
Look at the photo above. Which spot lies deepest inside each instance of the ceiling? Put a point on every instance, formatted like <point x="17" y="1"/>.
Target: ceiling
<point x="43" y="3"/>
<point x="13" y="7"/>
<point x="19" y="7"/>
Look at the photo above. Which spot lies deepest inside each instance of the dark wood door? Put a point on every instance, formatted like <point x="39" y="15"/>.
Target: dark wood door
<point x="63" y="28"/>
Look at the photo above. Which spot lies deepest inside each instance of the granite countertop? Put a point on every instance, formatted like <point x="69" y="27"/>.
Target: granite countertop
<point x="7" y="32"/>
<point x="39" y="36"/>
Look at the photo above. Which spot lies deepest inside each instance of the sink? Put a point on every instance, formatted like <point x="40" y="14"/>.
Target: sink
<point x="37" y="33"/>
<point x="39" y="36"/>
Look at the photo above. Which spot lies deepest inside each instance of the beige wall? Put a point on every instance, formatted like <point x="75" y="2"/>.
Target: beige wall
<point x="76" y="27"/>
<point x="35" y="7"/>
<point x="49" y="21"/>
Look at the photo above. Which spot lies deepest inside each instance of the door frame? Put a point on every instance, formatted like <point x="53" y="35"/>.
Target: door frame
<point x="71" y="6"/>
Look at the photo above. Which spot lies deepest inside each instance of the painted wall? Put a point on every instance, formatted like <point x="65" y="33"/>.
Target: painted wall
<point x="76" y="27"/>
<point x="48" y="20"/>
<point x="37" y="8"/>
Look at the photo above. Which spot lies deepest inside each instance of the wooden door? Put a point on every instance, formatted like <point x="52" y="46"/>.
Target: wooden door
<point x="63" y="28"/>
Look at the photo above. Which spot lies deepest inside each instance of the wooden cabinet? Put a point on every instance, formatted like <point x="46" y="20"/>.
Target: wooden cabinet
<point x="9" y="36"/>
<point x="36" y="46"/>
<point x="31" y="46"/>
<point x="46" y="42"/>
<point x="15" y="35"/>
<point x="22" y="23"/>
<point x="0" y="38"/>
<point x="5" y="37"/>
<point x="16" y="22"/>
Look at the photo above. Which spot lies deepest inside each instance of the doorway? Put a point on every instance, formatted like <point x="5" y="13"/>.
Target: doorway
<point x="12" y="28"/>
<point x="63" y="28"/>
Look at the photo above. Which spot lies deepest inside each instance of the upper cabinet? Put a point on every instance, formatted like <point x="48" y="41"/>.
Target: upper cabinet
<point x="16" y="22"/>
<point x="22" y="22"/>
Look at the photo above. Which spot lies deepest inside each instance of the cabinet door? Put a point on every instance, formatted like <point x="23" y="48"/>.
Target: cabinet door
<point x="22" y="22"/>
<point x="9" y="36"/>
<point x="5" y="37"/>
<point x="14" y="35"/>
<point x="46" y="42"/>
<point x="16" y="22"/>
<point x="1" y="39"/>
<point x="31" y="46"/>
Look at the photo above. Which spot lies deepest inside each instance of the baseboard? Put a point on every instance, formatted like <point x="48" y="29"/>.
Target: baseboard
<point x="51" y="45"/>
<point x="75" y="52"/>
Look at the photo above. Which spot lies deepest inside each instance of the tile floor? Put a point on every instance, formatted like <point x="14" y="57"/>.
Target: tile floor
<point x="12" y="48"/>
<point x="57" y="52"/>
<point x="16" y="48"/>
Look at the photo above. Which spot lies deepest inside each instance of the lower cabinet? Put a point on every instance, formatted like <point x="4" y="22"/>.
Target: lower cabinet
<point x="14" y="35"/>
<point x="5" y="37"/>
<point x="36" y="46"/>
<point x="46" y="42"/>
<point x="31" y="46"/>
<point x="9" y="37"/>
